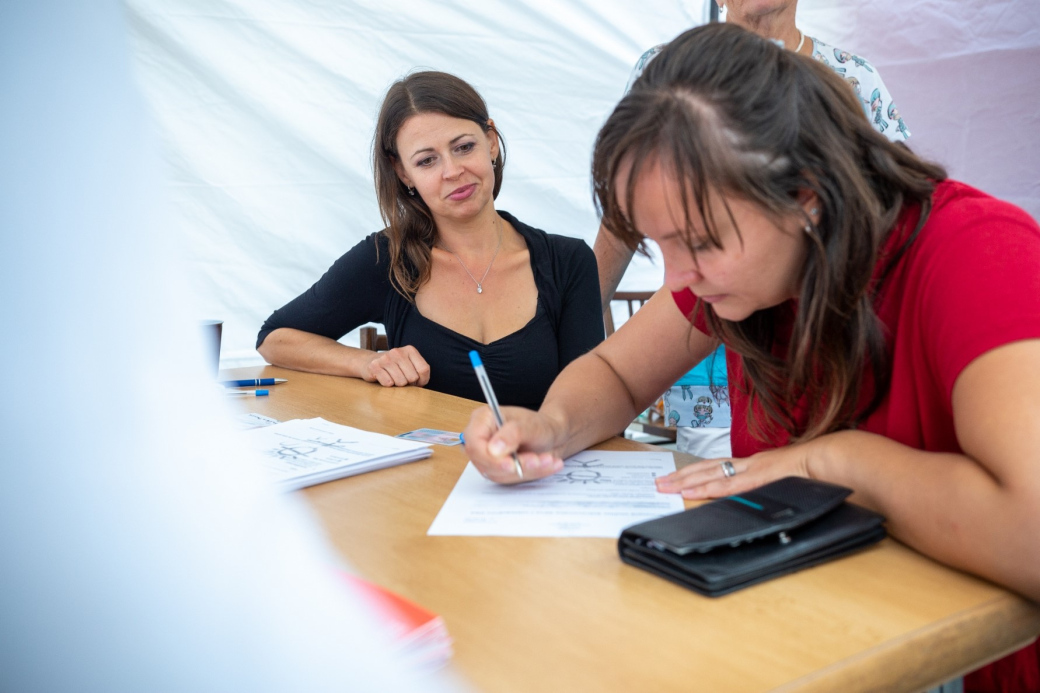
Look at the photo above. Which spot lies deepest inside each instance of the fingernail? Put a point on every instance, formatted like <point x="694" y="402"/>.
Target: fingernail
<point x="497" y="448"/>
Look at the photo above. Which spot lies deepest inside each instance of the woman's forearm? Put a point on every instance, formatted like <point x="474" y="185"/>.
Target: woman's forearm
<point x="303" y="351"/>
<point x="599" y="394"/>
<point x="612" y="259"/>
<point x="945" y="505"/>
<point x="588" y="403"/>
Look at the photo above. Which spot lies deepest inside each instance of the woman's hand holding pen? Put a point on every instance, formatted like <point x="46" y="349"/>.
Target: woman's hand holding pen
<point x="396" y="368"/>
<point x="527" y="433"/>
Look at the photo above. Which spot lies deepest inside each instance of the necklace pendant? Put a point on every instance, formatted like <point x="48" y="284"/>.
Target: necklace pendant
<point x="480" y="289"/>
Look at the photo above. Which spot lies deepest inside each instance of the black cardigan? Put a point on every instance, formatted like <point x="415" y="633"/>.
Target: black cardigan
<point x="522" y="365"/>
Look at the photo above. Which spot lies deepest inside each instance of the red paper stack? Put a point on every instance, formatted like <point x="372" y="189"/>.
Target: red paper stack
<point x="421" y="634"/>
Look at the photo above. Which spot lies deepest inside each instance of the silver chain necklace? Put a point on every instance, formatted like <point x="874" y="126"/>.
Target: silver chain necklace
<point x="480" y="284"/>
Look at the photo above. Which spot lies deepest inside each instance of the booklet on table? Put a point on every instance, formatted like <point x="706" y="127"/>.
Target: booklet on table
<point x="305" y="452"/>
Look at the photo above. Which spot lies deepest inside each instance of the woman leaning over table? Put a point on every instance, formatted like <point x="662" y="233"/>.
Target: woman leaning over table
<point x="449" y="273"/>
<point x="882" y="323"/>
<point x="775" y="20"/>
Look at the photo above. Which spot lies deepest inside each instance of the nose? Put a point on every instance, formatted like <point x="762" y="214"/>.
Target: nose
<point x="681" y="275"/>
<point x="451" y="168"/>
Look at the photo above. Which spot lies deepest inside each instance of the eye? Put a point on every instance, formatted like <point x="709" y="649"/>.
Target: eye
<point x="424" y="162"/>
<point x="466" y="147"/>
<point x="701" y="245"/>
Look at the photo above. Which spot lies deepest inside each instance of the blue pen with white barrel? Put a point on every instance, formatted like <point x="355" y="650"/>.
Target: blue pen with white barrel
<point x="489" y="395"/>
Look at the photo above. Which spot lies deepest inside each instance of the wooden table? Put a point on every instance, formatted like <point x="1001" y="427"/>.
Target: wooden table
<point x="537" y="614"/>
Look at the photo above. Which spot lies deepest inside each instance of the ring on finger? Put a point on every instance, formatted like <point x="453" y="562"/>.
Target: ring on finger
<point x="728" y="470"/>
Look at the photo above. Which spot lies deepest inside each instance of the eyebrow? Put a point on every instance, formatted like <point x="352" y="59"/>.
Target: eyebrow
<point x="430" y="149"/>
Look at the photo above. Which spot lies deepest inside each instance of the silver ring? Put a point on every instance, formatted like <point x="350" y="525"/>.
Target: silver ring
<point x="727" y="469"/>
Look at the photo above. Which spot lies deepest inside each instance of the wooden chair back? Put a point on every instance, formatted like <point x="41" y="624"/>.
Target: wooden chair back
<point x="373" y="340"/>
<point x="633" y="301"/>
<point x="652" y="420"/>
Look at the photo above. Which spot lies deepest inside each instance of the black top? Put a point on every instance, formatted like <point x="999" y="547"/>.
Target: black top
<point x="522" y="365"/>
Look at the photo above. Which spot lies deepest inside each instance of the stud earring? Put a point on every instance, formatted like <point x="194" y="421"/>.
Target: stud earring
<point x="411" y="191"/>
<point x="808" y="225"/>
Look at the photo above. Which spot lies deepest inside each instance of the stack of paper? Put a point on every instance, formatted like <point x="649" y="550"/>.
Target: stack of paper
<point x="421" y="634"/>
<point x="304" y="452"/>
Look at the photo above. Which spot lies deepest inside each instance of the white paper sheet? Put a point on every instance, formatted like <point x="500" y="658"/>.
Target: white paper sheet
<point x="597" y="494"/>
<point x="248" y="420"/>
<point x="304" y="452"/>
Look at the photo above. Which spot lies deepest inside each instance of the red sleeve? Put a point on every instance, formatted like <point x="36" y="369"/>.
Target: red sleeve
<point x="686" y="302"/>
<point x="979" y="281"/>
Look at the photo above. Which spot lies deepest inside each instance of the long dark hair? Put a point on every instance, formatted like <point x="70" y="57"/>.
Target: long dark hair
<point x="727" y="112"/>
<point x="410" y="228"/>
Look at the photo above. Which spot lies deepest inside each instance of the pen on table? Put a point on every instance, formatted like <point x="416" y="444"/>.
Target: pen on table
<point x="489" y="395"/>
<point x="253" y="382"/>
<point x="255" y="393"/>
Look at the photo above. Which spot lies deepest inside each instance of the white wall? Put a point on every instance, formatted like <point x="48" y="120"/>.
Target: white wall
<point x="965" y="75"/>
<point x="266" y="108"/>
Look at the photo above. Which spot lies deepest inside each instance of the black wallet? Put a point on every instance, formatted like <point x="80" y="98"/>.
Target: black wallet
<point x="737" y="541"/>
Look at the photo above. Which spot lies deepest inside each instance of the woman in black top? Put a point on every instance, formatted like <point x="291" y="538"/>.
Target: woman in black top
<point x="449" y="273"/>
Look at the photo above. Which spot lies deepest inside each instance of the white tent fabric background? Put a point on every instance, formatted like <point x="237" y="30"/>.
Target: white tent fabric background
<point x="267" y="107"/>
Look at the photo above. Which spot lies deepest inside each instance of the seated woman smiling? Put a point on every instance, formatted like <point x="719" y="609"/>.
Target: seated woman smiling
<point x="449" y="273"/>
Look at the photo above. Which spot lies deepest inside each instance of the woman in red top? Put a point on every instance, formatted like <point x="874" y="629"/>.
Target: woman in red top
<point x="882" y="322"/>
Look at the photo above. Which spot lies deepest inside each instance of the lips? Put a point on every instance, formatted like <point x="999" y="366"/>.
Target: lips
<point x="462" y="193"/>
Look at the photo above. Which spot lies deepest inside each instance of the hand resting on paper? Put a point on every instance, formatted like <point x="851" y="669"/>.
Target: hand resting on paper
<point x="396" y="368"/>
<point x="529" y="434"/>
<point x="708" y="479"/>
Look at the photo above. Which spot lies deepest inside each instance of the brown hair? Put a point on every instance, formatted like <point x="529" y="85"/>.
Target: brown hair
<point x="727" y="112"/>
<point x="410" y="228"/>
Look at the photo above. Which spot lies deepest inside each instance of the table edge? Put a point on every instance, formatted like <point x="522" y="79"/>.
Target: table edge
<point x="1007" y="620"/>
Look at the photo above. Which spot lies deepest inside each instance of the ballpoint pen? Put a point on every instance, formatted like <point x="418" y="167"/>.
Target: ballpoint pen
<point x="247" y="393"/>
<point x="489" y="395"/>
<point x="254" y="382"/>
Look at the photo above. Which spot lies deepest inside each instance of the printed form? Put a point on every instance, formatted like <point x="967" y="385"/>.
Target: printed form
<point x="596" y="494"/>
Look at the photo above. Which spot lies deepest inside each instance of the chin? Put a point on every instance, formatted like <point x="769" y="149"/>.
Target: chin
<point x="732" y="313"/>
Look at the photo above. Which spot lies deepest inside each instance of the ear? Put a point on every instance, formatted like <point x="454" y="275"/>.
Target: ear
<point x="399" y="170"/>
<point x="809" y="201"/>
<point x="492" y="135"/>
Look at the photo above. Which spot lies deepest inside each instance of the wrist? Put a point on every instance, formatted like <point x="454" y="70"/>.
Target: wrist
<point x="555" y="422"/>
<point x="828" y="461"/>
<point x="358" y="362"/>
